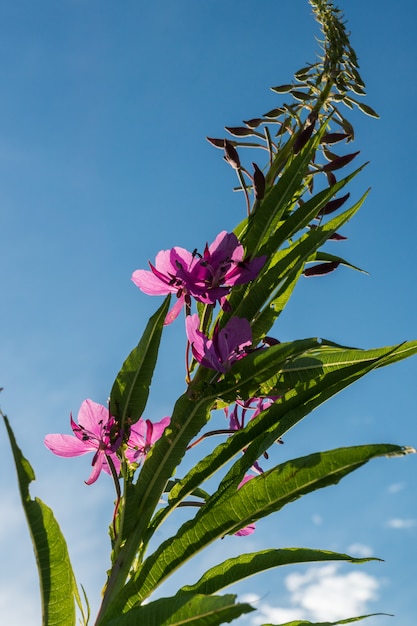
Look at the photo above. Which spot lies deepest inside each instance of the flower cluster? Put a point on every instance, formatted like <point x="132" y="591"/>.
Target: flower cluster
<point x="224" y="348"/>
<point x="208" y="278"/>
<point x="95" y="432"/>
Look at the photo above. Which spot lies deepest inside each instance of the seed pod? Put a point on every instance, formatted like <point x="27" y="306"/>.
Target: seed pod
<point x="239" y="131"/>
<point x="321" y="269"/>
<point x="337" y="237"/>
<point x="331" y="178"/>
<point x="340" y="162"/>
<point x="333" y="205"/>
<point x="217" y="143"/>
<point x="258" y="182"/>
<point x="274" y="112"/>
<point x="329" y="138"/>
<point x="282" y="88"/>
<point x="303" y="137"/>
<point x="301" y="96"/>
<point x="253" y="123"/>
<point x="231" y="155"/>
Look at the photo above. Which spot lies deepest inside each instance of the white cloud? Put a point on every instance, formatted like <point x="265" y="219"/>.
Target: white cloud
<point x="321" y="593"/>
<point x="317" y="519"/>
<point x="399" y="523"/>
<point x="360" y="550"/>
<point x="395" y="487"/>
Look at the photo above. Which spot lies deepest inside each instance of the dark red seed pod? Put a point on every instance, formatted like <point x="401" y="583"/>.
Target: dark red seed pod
<point x="340" y="162"/>
<point x="321" y="269"/>
<point x="303" y="137"/>
<point x="334" y="137"/>
<point x="258" y="182"/>
<point x="331" y="178"/>
<point x="239" y="131"/>
<point x="333" y="205"/>
<point x="337" y="237"/>
<point x="217" y="143"/>
<point x="253" y="123"/>
<point x="231" y="155"/>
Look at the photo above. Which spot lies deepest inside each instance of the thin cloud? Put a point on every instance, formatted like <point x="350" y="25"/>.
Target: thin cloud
<point x="401" y="524"/>
<point x="395" y="487"/>
<point x="360" y="550"/>
<point x="321" y="593"/>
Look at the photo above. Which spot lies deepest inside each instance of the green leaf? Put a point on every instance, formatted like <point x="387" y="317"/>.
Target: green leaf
<point x="350" y="620"/>
<point x="338" y="368"/>
<point x="184" y="609"/>
<point x="240" y="567"/>
<point x="130" y="390"/>
<point x="57" y="582"/>
<point x="259" y="497"/>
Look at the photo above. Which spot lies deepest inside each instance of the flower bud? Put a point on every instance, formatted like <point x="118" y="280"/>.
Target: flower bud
<point x="231" y="155"/>
<point x="258" y="182"/>
<point x="321" y="269"/>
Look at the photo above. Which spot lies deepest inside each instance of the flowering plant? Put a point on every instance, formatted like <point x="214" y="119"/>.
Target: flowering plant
<point x="232" y="294"/>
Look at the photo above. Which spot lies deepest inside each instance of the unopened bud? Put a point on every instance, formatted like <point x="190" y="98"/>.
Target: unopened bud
<point x="321" y="269"/>
<point x="217" y="143"/>
<point x="333" y="205"/>
<point x="231" y="155"/>
<point x="258" y="182"/>
<point x="340" y="162"/>
<point x="239" y="131"/>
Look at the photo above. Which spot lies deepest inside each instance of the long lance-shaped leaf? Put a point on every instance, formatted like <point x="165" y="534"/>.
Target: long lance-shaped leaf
<point x="275" y="421"/>
<point x="245" y="565"/>
<point x="259" y="497"/>
<point x="304" y="398"/>
<point x="57" y="581"/>
<point x="187" y="609"/>
<point x="130" y="390"/>
<point x="350" y="620"/>
<point x="278" y="301"/>
<point x="249" y="300"/>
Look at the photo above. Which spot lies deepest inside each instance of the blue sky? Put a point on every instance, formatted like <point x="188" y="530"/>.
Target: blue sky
<point x="104" y="110"/>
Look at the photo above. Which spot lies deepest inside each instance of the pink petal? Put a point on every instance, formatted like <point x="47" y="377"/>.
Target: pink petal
<point x="150" y="284"/>
<point x="174" y="311"/>
<point x="93" y="417"/>
<point x="159" y="427"/>
<point x="68" y="446"/>
<point x="248" y="530"/>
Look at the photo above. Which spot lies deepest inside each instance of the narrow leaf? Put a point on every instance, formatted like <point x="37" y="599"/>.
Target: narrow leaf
<point x="130" y="390"/>
<point x="259" y="497"/>
<point x="241" y="567"/>
<point x="57" y="582"/>
<point x="184" y="610"/>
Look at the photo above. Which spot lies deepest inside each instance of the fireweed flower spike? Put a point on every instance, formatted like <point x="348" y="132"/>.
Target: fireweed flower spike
<point x="93" y="433"/>
<point x="143" y="435"/>
<point x="208" y="278"/>
<point x="226" y="346"/>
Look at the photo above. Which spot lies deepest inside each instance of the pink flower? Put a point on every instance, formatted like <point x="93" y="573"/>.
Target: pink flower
<point x="93" y="433"/>
<point x="226" y="346"/>
<point x="143" y="435"/>
<point x="208" y="278"/>
<point x="222" y="266"/>
<point x="256" y="405"/>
